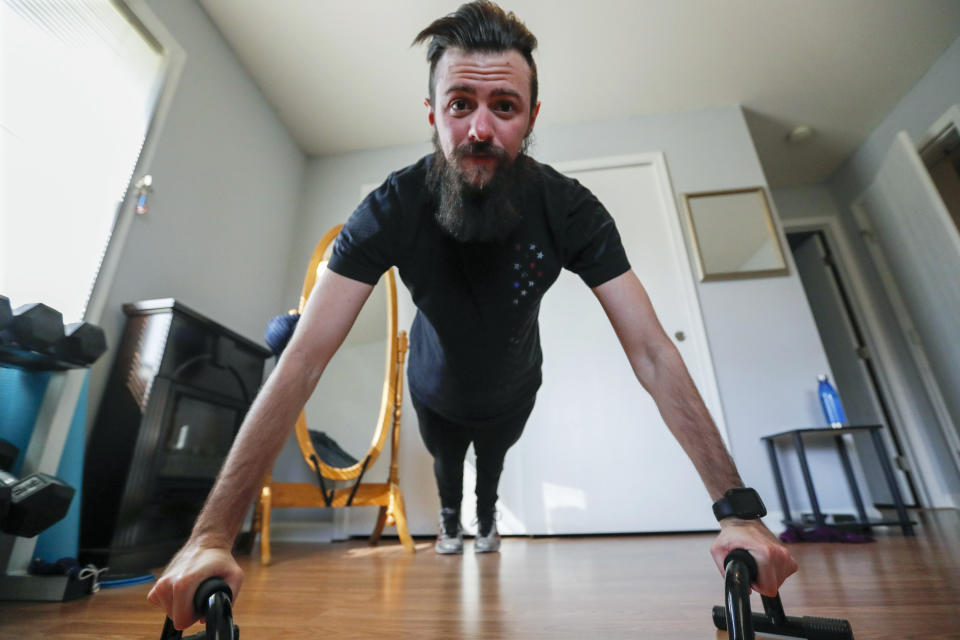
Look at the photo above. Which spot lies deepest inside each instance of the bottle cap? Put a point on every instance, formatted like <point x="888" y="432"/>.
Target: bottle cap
<point x="821" y="378"/>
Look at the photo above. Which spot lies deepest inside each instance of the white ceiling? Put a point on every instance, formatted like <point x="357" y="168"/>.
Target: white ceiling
<point x="343" y="76"/>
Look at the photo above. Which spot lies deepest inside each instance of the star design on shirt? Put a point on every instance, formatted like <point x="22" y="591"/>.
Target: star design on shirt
<point x="525" y="277"/>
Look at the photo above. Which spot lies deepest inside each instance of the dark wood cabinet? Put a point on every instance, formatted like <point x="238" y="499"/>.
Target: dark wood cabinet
<point x="177" y="393"/>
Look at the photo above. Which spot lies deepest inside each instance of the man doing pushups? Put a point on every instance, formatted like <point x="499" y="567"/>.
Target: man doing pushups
<point x="479" y="231"/>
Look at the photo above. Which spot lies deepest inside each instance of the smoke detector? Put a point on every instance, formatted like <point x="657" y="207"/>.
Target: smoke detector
<point x="800" y="133"/>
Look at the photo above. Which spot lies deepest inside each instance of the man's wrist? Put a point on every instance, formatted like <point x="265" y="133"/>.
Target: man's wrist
<point x="734" y="521"/>
<point x="742" y="503"/>
<point x="210" y="540"/>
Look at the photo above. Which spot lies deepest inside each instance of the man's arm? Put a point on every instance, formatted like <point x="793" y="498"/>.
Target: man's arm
<point x="331" y="310"/>
<point x="660" y="369"/>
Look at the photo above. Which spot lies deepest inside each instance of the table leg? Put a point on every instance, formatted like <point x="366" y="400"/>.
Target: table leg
<point x="892" y="482"/>
<point x="808" y="480"/>
<point x="851" y="480"/>
<point x="772" y="451"/>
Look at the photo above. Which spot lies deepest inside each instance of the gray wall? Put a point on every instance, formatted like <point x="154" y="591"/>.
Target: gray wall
<point x="916" y="112"/>
<point x="917" y="411"/>
<point x="765" y="347"/>
<point x="934" y="93"/>
<point x="227" y="176"/>
<point x="805" y="201"/>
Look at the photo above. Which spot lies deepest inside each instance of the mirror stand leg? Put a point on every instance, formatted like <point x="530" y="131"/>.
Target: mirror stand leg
<point x="377" y="530"/>
<point x="265" y="525"/>
<point x="399" y="514"/>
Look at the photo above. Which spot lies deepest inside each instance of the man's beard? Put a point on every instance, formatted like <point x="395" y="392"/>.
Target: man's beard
<point x="469" y="213"/>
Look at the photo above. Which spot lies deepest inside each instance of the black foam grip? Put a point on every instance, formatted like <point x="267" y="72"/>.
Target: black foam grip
<point x="826" y="628"/>
<point x="206" y="589"/>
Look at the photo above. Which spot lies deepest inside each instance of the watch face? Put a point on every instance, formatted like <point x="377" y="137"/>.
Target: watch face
<point x="746" y="504"/>
<point x="750" y="504"/>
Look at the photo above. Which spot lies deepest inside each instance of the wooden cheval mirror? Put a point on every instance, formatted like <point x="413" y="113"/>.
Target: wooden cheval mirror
<point x="332" y="464"/>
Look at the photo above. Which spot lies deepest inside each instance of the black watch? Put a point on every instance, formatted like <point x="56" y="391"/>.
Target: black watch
<point x="741" y="503"/>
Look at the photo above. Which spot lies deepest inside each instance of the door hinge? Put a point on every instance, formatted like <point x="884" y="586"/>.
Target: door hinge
<point x="863" y="353"/>
<point x="901" y="462"/>
<point x="913" y="336"/>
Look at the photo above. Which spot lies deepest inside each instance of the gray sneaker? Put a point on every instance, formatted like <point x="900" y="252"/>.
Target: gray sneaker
<point x="488" y="543"/>
<point x="450" y="538"/>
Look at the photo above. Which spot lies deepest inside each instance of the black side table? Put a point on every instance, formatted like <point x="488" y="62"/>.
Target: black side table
<point x="797" y="436"/>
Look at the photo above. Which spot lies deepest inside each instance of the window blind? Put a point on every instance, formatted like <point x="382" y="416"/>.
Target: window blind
<point x="80" y="81"/>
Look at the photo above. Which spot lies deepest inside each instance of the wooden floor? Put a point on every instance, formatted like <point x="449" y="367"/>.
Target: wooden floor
<point x="659" y="587"/>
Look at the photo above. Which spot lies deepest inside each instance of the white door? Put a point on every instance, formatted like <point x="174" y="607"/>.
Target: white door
<point x="596" y="456"/>
<point x="916" y="248"/>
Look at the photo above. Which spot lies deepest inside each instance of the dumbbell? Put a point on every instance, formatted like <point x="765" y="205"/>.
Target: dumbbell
<point x="82" y="343"/>
<point x="33" y="326"/>
<point x="8" y="455"/>
<point x="30" y="505"/>
<point x="6" y="314"/>
<point x="38" y="327"/>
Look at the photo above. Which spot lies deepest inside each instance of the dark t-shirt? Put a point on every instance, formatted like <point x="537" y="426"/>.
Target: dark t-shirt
<point x="475" y="342"/>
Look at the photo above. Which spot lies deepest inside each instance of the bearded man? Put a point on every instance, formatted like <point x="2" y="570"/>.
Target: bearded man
<point x="478" y="231"/>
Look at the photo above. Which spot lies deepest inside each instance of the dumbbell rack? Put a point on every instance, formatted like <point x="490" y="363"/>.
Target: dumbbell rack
<point x="43" y="453"/>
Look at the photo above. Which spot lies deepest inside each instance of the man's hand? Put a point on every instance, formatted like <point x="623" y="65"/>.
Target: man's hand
<point x="192" y="565"/>
<point x="774" y="562"/>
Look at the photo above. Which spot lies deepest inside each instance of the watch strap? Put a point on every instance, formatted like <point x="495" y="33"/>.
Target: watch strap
<point x="742" y="502"/>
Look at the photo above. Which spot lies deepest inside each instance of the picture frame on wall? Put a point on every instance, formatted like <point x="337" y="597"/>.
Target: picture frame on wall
<point x="734" y="234"/>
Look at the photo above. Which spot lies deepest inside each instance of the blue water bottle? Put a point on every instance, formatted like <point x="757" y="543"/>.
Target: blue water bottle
<point x="830" y="402"/>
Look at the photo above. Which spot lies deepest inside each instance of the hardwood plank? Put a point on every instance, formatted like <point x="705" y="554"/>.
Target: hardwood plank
<point x="658" y="586"/>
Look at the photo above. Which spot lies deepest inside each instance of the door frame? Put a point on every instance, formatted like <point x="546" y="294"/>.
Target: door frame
<point x="890" y="378"/>
<point x="681" y="254"/>
<point x="950" y="120"/>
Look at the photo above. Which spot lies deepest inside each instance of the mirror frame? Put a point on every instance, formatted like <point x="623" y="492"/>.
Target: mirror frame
<point x="321" y="254"/>
<point x="698" y="241"/>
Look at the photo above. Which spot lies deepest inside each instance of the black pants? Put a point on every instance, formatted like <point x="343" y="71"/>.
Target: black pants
<point x="447" y="442"/>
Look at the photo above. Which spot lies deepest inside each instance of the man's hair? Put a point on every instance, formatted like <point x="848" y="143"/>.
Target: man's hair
<point x="479" y="26"/>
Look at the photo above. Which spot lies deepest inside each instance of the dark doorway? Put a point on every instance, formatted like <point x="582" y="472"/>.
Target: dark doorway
<point x="850" y="360"/>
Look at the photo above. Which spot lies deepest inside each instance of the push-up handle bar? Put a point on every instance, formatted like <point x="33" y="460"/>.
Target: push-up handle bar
<point x="213" y="601"/>
<point x="740" y="570"/>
